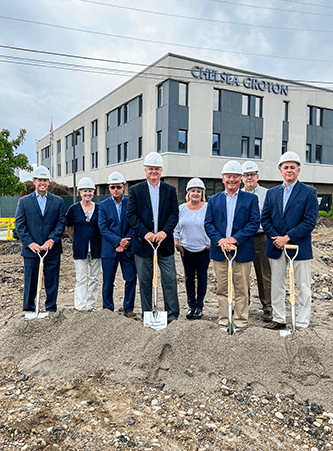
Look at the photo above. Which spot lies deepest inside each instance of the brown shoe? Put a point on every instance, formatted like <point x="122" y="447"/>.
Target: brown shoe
<point x="275" y="326"/>
<point x="131" y="315"/>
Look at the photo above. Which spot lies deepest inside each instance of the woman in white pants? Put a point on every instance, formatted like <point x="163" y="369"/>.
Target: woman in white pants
<point x="82" y="227"/>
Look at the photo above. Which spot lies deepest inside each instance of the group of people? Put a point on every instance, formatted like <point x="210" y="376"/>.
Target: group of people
<point x="121" y="230"/>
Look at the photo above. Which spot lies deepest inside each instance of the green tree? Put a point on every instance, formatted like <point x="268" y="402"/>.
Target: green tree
<point x="9" y="161"/>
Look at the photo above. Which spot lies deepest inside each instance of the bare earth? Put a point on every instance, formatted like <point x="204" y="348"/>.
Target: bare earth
<point x="100" y="381"/>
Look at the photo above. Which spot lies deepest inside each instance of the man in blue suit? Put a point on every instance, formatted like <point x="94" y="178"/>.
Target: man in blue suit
<point x="153" y="214"/>
<point x="232" y="218"/>
<point x="40" y="220"/>
<point x="289" y="215"/>
<point x="116" y="241"/>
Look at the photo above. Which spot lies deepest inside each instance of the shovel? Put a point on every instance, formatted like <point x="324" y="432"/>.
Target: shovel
<point x="36" y="313"/>
<point x="155" y="319"/>
<point x="230" y="329"/>
<point x="285" y="333"/>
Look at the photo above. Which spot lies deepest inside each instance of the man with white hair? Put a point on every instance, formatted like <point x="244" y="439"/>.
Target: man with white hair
<point x="232" y="218"/>
<point x="289" y="215"/>
<point x="261" y="263"/>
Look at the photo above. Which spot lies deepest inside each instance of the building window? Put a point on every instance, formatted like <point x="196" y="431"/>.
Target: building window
<point x="284" y="147"/>
<point x="125" y="151"/>
<point x="216" y="144"/>
<point x="125" y="113"/>
<point x="59" y="146"/>
<point x="79" y="136"/>
<point x="319" y="150"/>
<point x="216" y="99"/>
<point x="92" y="161"/>
<point x="94" y="130"/>
<point x="258" y="107"/>
<point x="182" y="100"/>
<point x="83" y="165"/>
<point x="67" y="167"/>
<point x="159" y="141"/>
<point x="182" y="141"/>
<point x="160" y="96"/>
<point x="245" y="105"/>
<point x="59" y="170"/>
<point x="119" y="154"/>
<point x="76" y="165"/>
<point x="108" y="121"/>
<point x="285" y="111"/>
<point x="140" y="147"/>
<point x="119" y="116"/>
<point x="69" y="141"/>
<point x="257" y="148"/>
<point x="319" y="117"/>
<point x="140" y="106"/>
<point x="96" y="159"/>
<point x="245" y="146"/>
<point x="308" y="153"/>
<point x="107" y="156"/>
<point x="309" y="115"/>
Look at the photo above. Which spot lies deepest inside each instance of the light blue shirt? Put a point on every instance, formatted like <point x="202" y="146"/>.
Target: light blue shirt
<point x="118" y="206"/>
<point x="231" y="206"/>
<point x="286" y="193"/>
<point x="41" y="201"/>
<point x="154" y="198"/>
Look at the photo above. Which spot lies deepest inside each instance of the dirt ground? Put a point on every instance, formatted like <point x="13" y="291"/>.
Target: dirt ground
<point x="100" y="381"/>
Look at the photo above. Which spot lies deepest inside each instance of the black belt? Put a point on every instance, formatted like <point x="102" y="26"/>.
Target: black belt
<point x="259" y="233"/>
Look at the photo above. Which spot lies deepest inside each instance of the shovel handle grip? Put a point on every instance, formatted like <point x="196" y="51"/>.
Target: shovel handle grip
<point x="291" y="246"/>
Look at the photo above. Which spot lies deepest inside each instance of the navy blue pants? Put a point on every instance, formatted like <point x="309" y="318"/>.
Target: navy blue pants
<point x="51" y="282"/>
<point x="128" y="270"/>
<point x="196" y="264"/>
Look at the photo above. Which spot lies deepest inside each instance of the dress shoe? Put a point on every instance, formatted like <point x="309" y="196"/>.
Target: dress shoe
<point x="197" y="313"/>
<point x="275" y="326"/>
<point x="189" y="314"/>
<point x="267" y="317"/>
<point x="131" y="315"/>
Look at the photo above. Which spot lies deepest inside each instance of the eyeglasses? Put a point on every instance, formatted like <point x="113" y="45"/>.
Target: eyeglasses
<point x="116" y="186"/>
<point x="247" y="176"/>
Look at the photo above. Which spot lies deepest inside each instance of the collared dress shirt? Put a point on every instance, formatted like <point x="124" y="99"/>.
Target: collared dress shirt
<point x="118" y="206"/>
<point x="231" y="206"/>
<point x="286" y="193"/>
<point x="154" y="197"/>
<point x="41" y="201"/>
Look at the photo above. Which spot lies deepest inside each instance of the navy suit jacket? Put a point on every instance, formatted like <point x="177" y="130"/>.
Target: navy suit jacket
<point x="297" y="220"/>
<point x="245" y="225"/>
<point x="140" y="216"/>
<point x="113" y="230"/>
<point x="33" y="227"/>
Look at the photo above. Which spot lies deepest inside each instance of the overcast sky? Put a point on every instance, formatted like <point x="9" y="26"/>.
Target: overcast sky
<point x="285" y="38"/>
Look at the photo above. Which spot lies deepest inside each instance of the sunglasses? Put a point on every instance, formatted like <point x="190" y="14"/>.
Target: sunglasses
<point x="116" y="186"/>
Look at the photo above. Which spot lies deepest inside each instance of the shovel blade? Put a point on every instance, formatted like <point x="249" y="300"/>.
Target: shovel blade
<point x="157" y="321"/>
<point x="229" y="330"/>
<point x="34" y="315"/>
<point x="285" y="333"/>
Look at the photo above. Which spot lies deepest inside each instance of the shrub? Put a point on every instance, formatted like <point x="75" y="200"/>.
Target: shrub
<point x="54" y="188"/>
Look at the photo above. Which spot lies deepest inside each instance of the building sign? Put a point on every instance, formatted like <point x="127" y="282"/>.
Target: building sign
<point x="234" y="80"/>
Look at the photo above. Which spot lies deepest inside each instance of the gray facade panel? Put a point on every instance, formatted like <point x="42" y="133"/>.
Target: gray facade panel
<point x="285" y="131"/>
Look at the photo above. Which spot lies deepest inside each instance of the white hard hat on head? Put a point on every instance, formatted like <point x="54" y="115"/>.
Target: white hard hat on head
<point x="195" y="183"/>
<point x="250" y="166"/>
<point x="154" y="159"/>
<point x="289" y="156"/>
<point x="41" y="173"/>
<point x="116" y="177"/>
<point x="232" y="167"/>
<point x="86" y="183"/>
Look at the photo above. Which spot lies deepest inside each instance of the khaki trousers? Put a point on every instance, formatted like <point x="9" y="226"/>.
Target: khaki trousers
<point x="240" y="280"/>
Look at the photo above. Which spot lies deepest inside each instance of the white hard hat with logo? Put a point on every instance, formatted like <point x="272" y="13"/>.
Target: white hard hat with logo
<point x="153" y="159"/>
<point x="86" y="183"/>
<point x="289" y="156"/>
<point x="41" y="173"/>
<point x="232" y="167"/>
<point x="195" y="183"/>
<point x="250" y="166"/>
<point x="116" y="177"/>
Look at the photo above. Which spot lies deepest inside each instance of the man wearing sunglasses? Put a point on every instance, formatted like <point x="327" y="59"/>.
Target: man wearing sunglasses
<point x="116" y="240"/>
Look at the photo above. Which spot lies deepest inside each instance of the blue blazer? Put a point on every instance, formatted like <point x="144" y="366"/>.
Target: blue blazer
<point x="33" y="227"/>
<point x="84" y="232"/>
<point x="140" y="216"/>
<point x="113" y="230"/>
<point x="245" y="225"/>
<point x="297" y="220"/>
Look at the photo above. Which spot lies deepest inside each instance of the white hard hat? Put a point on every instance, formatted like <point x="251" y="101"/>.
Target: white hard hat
<point x="195" y="183"/>
<point x="154" y="159"/>
<point x="116" y="177"/>
<point x="250" y="166"/>
<point x="41" y="173"/>
<point x="289" y="156"/>
<point x="86" y="183"/>
<point x="232" y="167"/>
